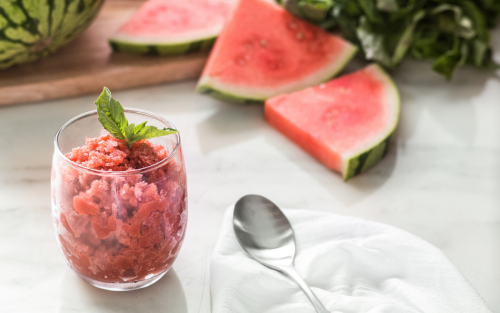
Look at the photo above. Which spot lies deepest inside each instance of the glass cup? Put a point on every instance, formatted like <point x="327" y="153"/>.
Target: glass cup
<point x="118" y="230"/>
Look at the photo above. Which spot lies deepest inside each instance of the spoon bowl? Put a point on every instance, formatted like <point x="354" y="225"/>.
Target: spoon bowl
<point x="263" y="231"/>
<point x="266" y="235"/>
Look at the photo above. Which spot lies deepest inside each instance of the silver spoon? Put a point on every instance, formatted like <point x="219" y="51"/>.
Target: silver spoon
<point x="266" y="235"/>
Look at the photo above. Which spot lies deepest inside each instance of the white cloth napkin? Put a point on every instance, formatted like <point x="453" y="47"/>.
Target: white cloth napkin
<point x="352" y="265"/>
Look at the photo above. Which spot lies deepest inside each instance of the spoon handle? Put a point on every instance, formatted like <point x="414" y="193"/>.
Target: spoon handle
<point x="292" y="273"/>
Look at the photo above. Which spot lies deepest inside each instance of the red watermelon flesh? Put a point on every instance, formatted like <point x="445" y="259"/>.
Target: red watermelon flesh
<point x="172" y="27"/>
<point x="346" y="123"/>
<point x="174" y="18"/>
<point x="264" y="51"/>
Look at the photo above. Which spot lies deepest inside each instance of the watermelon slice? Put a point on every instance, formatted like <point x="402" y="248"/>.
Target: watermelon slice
<point x="264" y="51"/>
<point x="347" y="123"/>
<point x="173" y="27"/>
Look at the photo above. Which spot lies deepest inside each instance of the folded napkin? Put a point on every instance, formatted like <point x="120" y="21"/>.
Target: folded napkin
<point x="352" y="265"/>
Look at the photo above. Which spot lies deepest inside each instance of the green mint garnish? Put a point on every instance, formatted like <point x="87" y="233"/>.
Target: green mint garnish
<point x="112" y="118"/>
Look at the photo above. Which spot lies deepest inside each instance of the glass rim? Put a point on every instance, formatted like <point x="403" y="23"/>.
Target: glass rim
<point x="118" y="173"/>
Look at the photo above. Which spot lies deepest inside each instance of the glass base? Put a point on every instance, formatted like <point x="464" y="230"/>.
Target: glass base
<point x="123" y="286"/>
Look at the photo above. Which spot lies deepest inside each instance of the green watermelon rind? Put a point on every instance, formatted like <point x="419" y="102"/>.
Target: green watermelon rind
<point x="163" y="49"/>
<point x="227" y="97"/>
<point x="371" y="155"/>
<point x="205" y="85"/>
<point x="362" y="162"/>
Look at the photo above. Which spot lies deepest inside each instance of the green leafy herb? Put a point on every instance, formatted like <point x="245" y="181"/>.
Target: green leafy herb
<point x="387" y="5"/>
<point x="450" y="33"/>
<point x="112" y="117"/>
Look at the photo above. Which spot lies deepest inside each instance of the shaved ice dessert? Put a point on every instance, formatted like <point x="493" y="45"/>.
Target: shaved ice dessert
<point x="120" y="212"/>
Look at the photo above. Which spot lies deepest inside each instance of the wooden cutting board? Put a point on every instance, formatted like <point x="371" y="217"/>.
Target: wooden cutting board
<point x="88" y="63"/>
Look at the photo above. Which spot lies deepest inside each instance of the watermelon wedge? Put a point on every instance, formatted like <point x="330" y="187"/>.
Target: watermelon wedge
<point x="172" y="27"/>
<point x="347" y="123"/>
<point x="264" y="51"/>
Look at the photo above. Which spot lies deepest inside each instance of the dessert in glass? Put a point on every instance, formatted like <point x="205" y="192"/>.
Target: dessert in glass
<point x="119" y="208"/>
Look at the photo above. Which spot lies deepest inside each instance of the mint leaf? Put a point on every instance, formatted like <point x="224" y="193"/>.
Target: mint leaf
<point x="110" y="125"/>
<point x="102" y="103"/>
<point x="112" y="117"/>
<point x="129" y="131"/>
<point x="147" y="132"/>
<point x="139" y="127"/>
<point x="117" y="114"/>
<point x="112" y="108"/>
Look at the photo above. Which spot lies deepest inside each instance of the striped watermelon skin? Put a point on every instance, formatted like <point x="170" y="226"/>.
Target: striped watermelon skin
<point x="227" y="96"/>
<point x="163" y="50"/>
<point x="32" y="29"/>
<point x="365" y="161"/>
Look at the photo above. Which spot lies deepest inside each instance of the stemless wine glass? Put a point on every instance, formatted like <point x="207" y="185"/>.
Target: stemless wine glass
<point x="118" y="230"/>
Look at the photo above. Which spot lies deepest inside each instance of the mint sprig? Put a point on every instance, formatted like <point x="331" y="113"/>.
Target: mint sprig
<point x="112" y="117"/>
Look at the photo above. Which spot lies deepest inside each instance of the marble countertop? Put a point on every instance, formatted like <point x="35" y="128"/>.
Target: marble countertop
<point x="440" y="181"/>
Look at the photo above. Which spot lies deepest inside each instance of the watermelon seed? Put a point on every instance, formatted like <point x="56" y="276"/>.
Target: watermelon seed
<point x="263" y="43"/>
<point x="300" y="36"/>
<point x="313" y="47"/>
<point x="243" y="59"/>
<point x="248" y="45"/>
<point x="330" y="117"/>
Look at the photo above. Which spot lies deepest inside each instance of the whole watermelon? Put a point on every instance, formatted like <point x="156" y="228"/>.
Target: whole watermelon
<point x="31" y="29"/>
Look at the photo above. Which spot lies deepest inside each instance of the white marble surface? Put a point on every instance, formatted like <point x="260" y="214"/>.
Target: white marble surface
<point x="440" y="181"/>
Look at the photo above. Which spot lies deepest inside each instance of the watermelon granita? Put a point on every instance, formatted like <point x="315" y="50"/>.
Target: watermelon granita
<point x="120" y="213"/>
